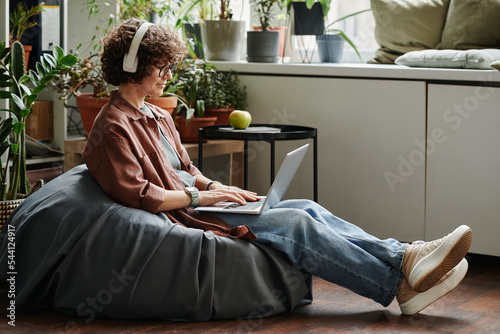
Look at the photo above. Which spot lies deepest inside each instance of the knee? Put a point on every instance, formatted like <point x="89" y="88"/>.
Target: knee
<point x="302" y="204"/>
<point x="298" y="218"/>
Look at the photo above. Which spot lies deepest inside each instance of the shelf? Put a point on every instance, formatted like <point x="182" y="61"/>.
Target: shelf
<point x="41" y="160"/>
<point x="361" y="71"/>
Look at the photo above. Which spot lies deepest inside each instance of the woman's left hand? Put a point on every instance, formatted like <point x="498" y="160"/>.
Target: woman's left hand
<point x="247" y="195"/>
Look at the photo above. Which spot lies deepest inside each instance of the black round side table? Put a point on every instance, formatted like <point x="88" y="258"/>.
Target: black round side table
<point x="286" y="132"/>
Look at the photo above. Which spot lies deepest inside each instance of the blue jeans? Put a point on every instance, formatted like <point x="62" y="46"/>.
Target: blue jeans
<point x="328" y="247"/>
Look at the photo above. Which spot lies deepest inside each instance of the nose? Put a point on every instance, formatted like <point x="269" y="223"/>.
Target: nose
<point x="168" y="75"/>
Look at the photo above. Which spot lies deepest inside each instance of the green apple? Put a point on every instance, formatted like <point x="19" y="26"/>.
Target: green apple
<point x="240" y="119"/>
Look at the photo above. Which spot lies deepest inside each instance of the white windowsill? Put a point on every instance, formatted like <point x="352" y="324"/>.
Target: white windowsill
<point x="361" y="71"/>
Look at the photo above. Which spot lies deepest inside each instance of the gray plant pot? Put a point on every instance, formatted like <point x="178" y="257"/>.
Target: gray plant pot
<point x="263" y="46"/>
<point x="222" y="40"/>
<point x="330" y="48"/>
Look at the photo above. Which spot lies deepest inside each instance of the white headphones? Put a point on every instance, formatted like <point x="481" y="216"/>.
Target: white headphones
<point x="130" y="59"/>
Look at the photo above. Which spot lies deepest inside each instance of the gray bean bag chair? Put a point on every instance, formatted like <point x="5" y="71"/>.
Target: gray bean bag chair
<point x="78" y="251"/>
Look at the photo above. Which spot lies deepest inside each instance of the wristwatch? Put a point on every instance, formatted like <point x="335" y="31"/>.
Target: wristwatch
<point x="193" y="192"/>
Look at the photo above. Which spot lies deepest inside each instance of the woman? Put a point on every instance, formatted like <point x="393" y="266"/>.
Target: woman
<point x="135" y="154"/>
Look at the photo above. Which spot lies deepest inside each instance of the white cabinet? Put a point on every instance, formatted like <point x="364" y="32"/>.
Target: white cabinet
<point x="409" y="153"/>
<point x="367" y="130"/>
<point x="463" y="168"/>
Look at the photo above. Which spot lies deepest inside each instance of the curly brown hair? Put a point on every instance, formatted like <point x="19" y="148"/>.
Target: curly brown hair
<point x="159" y="46"/>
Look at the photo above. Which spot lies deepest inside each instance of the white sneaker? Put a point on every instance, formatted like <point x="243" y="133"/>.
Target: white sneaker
<point x="411" y="302"/>
<point x="426" y="262"/>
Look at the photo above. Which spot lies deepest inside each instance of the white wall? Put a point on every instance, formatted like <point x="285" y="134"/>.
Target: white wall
<point x="81" y="28"/>
<point x="364" y="126"/>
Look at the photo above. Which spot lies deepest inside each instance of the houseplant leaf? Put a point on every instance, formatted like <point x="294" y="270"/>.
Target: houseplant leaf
<point x="35" y="78"/>
<point x="46" y="79"/>
<point x="24" y="112"/>
<point x="30" y="99"/>
<point x="18" y="127"/>
<point x="50" y="60"/>
<point x="58" y="53"/>
<point x="25" y="89"/>
<point x="39" y="88"/>
<point x="18" y="101"/>
<point x="68" y="61"/>
<point x="40" y="69"/>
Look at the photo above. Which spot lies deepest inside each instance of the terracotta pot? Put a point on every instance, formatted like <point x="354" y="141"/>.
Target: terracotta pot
<point x="190" y="132"/>
<point x="27" y="51"/>
<point x="222" y="115"/>
<point x="168" y="103"/>
<point x="89" y="107"/>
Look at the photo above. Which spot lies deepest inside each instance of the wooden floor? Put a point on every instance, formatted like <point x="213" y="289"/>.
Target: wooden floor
<point x="473" y="307"/>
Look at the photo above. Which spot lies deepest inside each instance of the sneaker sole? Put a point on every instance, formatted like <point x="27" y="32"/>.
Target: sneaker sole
<point x="424" y="299"/>
<point x="428" y="271"/>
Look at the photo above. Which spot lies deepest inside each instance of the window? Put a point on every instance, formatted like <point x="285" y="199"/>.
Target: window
<point x="359" y="28"/>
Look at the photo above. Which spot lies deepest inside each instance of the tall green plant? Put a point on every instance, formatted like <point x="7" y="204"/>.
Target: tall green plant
<point x="23" y="92"/>
<point x="18" y="175"/>
<point x="266" y="11"/>
<point x="20" y="20"/>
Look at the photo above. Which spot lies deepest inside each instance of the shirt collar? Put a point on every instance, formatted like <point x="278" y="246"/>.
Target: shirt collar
<point x="131" y="111"/>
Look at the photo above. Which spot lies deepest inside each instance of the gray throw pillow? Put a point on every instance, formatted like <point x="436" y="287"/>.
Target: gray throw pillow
<point x="472" y="24"/>
<point x="472" y="59"/>
<point x="402" y="26"/>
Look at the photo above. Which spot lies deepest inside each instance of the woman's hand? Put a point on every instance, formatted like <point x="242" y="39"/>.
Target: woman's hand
<point x="220" y="193"/>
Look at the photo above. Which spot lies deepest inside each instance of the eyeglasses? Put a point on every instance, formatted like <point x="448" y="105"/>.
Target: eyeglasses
<point x="165" y="68"/>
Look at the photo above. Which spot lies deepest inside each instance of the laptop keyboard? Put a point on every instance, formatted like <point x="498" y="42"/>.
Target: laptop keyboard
<point x="248" y="206"/>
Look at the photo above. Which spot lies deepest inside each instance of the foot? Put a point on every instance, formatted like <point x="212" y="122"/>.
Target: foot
<point x="426" y="262"/>
<point x="411" y="302"/>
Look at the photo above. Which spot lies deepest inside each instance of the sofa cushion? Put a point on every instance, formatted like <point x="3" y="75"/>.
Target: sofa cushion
<point x="472" y="24"/>
<point x="496" y="65"/>
<point x="478" y="59"/>
<point x="402" y="26"/>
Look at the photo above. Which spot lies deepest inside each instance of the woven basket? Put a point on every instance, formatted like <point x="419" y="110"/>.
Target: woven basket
<point x="7" y="207"/>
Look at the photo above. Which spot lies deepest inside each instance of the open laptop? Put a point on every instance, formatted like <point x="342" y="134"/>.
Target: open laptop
<point x="278" y="189"/>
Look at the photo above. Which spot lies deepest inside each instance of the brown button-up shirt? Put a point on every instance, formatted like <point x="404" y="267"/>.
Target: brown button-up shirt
<point x="125" y="155"/>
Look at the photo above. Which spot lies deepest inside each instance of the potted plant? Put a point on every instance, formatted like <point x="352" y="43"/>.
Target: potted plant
<point x="21" y="19"/>
<point x="72" y="80"/>
<point x="22" y="93"/>
<point x="222" y="94"/>
<point x="222" y="38"/>
<point x="215" y="94"/>
<point x="331" y="44"/>
<point x="87" y="71"/>
<point x="191" y="24"/>
<point x="189" y="115"/>
<point x="308" y="16"/>
<point x="263" y="45"/>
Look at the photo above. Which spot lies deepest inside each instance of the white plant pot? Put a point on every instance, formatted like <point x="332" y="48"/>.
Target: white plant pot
<point x="222" y="40"/>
